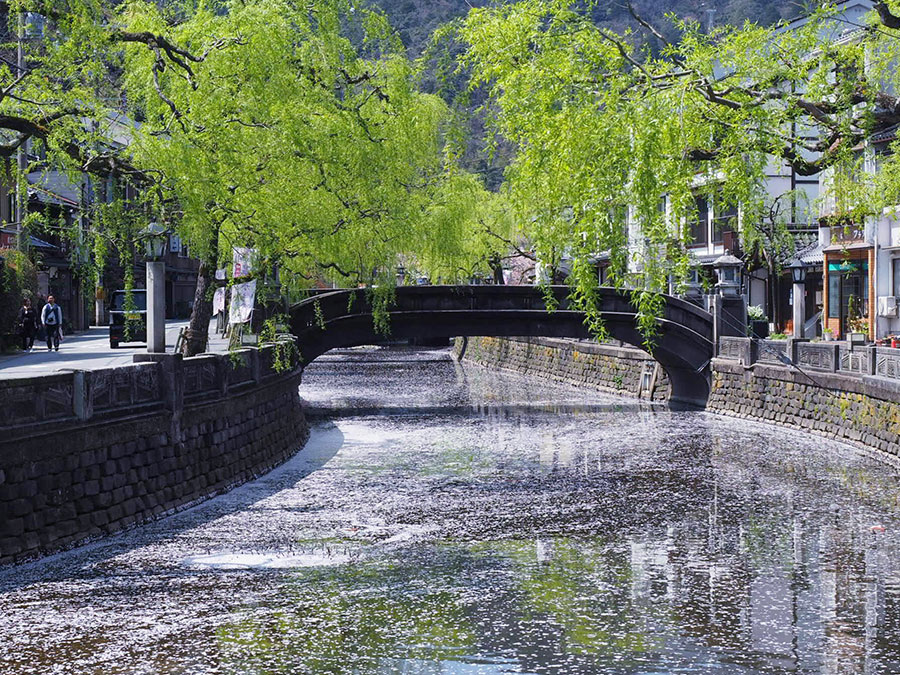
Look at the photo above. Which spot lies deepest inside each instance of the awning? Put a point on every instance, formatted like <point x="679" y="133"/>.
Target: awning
<point x="856" y="246"/>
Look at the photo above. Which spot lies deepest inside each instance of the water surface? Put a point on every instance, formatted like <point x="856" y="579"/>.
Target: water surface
<point x="447" y="519"/>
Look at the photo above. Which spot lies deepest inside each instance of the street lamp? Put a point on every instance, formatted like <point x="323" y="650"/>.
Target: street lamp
<point x="798" y="271"/>
<point x="798" y="275"/>
<point x="154" y="238"/>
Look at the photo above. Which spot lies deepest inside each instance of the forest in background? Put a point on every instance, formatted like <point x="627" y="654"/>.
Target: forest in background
<point x="416" y="20"/>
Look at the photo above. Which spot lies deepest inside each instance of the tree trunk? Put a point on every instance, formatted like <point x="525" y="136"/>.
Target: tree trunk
<point x="197" y="334"/>
<point x="775" y="315"/>
<point x="496" y="269"/>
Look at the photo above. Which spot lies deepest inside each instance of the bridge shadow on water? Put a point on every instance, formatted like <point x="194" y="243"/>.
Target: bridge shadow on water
<point x="89" y="561"/>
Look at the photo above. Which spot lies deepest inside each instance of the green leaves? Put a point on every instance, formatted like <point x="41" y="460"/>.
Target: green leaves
<point x="302" y="134"/>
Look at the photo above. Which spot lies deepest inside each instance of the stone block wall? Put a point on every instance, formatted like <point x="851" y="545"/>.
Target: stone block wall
<point x="623" y="370"/>
<point x="111" y="449"/>
<point x="863" y="410"/>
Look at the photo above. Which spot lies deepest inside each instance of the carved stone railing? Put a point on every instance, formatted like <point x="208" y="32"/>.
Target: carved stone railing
<point x="829" y="357"/>
<point x="822" y="356"/>
<point x="887" y="363"/>
<point x="163" y="382"/>
<point x="773" y="351"/>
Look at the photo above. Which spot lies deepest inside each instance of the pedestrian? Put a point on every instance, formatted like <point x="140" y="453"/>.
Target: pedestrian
<point x="51" y="317"/>
<point x="27" y="324"/>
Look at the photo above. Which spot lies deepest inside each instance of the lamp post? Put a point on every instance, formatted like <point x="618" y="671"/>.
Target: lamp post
<point x="154" y="238"/>
<point x="798" y="275"/>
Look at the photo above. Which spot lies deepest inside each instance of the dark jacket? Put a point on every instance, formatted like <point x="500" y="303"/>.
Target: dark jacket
<point x="27" y="321"/>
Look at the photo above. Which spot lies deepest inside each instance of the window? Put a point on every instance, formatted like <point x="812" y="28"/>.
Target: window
<point x="699" y="228"/>
<point x="725" y="221"/>
<point x="896" y="278"/>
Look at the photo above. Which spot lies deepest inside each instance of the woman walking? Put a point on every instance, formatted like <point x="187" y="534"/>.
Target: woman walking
<point x="27" y="323"/>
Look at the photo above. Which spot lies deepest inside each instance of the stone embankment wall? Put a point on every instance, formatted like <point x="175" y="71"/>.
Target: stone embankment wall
<point x="623" y="370"/>
<point x="852" y="394"/>
<point x="89" y="453"/>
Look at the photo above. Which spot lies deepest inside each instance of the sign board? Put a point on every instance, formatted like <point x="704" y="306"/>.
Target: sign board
<point x="243" y="261"/>
<point x="242" y="298"/>
<point x="219" y="301"/>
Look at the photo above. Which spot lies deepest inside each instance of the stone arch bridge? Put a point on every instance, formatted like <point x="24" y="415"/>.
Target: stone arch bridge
<point x="684" y="346"/>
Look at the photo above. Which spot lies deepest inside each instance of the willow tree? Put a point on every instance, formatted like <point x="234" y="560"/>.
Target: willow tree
<point x="605" y="130"/>
<point x="298" y="131"/>
<point x="60" y="101"/>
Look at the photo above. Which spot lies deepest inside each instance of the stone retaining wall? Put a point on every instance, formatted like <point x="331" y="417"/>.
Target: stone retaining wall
<point x="95" y="452"/>
<point x="623" y="370"/>
<point x="863" y="410"/>
<point x="849" y="394"/>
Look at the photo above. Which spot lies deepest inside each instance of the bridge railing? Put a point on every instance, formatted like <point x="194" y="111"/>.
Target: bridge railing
<point x="822" y="357"/>
<point x="324" y="307"/>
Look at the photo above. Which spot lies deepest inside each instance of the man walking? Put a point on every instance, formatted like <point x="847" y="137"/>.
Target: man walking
<point x="51" y="316"/>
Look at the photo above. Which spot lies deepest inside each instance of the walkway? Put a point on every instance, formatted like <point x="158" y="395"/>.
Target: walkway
<point x="89" y="350"/>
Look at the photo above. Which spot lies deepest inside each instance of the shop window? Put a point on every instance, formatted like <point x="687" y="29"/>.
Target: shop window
<point x="848" y="289"/>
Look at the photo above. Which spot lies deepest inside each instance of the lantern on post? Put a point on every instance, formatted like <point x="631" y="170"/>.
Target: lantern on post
<point x="728" y="273"/>
<point x="798" y="276"/>
<point x="154" y="238"/>
<point x="798" y="271"/>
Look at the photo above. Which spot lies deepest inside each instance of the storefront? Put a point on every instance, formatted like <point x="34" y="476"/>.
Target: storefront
<point x="850" y="289"/>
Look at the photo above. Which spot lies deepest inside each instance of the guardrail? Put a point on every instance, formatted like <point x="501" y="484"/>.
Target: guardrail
<point x="827" y="357"/>
<point x="168" y="382"/>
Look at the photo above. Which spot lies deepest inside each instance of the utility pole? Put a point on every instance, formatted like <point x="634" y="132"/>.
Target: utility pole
<point x="710" y="19"/>
<point x="21" y="158"/>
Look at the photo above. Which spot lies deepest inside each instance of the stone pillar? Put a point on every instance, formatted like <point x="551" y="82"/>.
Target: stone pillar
<point x="729" y="316"/>
<point x="156" y="307"/>
<point x="799" y="308"/>
<point x="172" y="387"/>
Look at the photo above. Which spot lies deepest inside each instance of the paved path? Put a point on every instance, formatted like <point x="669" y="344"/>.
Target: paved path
<point x="88" y="351"/>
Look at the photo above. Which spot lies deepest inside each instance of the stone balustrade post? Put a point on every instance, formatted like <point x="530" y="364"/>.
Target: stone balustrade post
<point x="81" y="394"/>
<point x="172" y="385"/>
<point x="222" y="366"/>
<point x="255" y="369"/>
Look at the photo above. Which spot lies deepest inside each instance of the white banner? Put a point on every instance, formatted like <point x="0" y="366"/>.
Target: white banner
<point x="242" y="298"/>
<point x="219" y="300"/>
<point x="243" y="261"/>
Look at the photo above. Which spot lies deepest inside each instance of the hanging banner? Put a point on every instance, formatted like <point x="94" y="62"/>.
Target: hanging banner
<point x="242" y="298"/>
<point x="219" y="301"/>
<point x="221" y="274"/>
<point x="243" y="261"/>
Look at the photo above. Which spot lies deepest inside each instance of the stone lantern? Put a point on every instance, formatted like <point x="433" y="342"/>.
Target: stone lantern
<point x="728" y="273"/>
<point x="154" y="238"/>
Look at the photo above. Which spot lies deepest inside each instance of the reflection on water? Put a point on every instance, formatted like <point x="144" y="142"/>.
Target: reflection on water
<point x="502" y="536"/>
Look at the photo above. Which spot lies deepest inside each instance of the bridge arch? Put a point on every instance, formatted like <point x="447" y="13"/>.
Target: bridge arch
<point x="684" y="346"/>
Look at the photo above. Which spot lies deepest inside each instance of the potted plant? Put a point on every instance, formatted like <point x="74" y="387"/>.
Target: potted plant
<point x="759" y="322"/>
<point x="858" y="327"/>
<point x="827" y="334"/>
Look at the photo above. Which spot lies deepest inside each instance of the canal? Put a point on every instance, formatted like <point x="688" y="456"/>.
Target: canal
<point x="449" y="519"/>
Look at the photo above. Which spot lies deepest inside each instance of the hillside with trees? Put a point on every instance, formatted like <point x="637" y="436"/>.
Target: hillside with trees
<point x="416" y="20"/>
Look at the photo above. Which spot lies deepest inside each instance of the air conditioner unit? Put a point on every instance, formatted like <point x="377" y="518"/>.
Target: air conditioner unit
<point x="887" y="306"/>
